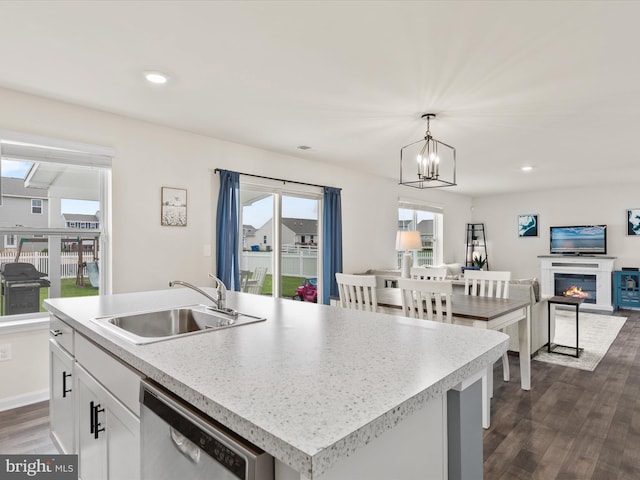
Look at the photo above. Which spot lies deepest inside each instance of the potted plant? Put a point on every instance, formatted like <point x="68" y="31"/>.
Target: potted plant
<point x="480" y="261"/>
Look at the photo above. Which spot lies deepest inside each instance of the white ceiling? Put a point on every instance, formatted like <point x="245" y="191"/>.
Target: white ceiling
<point x="555" y="85"/>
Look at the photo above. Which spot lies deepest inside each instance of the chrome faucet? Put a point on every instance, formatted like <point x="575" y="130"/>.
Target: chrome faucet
<point x="221" y="291"/>
<point x="221" y="295"/>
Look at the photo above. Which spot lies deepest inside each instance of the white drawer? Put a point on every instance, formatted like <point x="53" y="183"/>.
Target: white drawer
<point x="61" y="333"/>
<point x="120" y="380"/>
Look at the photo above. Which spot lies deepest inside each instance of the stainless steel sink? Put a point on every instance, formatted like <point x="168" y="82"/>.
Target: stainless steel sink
<point x="155" y="326"/>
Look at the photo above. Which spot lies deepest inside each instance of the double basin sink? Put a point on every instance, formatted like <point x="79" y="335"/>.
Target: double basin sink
<point x="156" y="326"/>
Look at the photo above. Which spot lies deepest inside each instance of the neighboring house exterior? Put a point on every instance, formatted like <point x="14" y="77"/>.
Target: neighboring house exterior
<point x="22" y="206"/>
<point x="305" y="231"/>
<point x="76" y="220"/>
<point x="425" y="227"/>
<point x="295" y="231"/>
<point x="29" y="207"/>
<point x="248" y="236"/>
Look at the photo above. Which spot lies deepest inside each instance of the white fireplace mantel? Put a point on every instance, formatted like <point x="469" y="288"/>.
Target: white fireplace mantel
<point x="600" y="266"/>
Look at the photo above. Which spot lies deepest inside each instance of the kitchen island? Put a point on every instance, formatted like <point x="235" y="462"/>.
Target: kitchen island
<point x="330" y="393"/>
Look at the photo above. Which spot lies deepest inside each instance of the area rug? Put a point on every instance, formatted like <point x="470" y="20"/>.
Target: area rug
<point x="596" y="334"/>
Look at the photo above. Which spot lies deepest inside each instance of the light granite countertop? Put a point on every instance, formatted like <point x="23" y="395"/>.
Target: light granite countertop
<point x="309" y="385"/>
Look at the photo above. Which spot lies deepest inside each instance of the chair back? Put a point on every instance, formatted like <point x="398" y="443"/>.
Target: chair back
<point x="428" y="273"/>
<point x="256" y="281"/>
<point x="357" y="291"/>
<point x="244" y="279"/>
<point x="486" y="284"/>
<point x="426" y="299"/>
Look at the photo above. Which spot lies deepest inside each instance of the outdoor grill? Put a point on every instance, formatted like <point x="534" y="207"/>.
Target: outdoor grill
<point x="21" y="284"/>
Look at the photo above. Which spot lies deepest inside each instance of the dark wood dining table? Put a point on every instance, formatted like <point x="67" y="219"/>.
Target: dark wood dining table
<point x="481" y="312"/>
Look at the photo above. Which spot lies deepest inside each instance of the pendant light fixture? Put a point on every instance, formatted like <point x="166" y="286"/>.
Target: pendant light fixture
<point x="435" y="161"/>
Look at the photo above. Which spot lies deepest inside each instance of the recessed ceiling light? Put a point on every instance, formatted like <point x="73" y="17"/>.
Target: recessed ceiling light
<point x="304" y="147"/>
<point x="157" y="78"/>
<point x="526" y="168"/>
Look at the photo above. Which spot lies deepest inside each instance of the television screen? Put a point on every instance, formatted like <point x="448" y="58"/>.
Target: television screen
<point x="577" y="240"/>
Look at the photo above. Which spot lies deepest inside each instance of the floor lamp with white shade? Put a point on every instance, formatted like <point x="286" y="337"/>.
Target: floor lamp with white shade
<point x="408" y="240"/>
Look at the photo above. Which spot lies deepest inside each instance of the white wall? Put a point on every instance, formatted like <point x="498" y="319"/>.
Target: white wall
<point x="25" y="377"/>
<point x="577" y="206"/>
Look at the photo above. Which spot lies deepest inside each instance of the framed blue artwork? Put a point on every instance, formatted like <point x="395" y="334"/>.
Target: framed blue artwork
<point x="528" y="225"/>
<point x="633" y="222"/>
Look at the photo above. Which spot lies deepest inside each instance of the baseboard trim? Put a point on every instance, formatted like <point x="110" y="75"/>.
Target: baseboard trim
<point x="24" y="399"/>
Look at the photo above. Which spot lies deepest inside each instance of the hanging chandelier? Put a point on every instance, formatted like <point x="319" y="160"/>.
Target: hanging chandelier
<point x="435" y="161"/>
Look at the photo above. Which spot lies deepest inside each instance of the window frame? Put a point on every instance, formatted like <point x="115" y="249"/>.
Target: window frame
<point x="40" y="149"/>
<point x="438" y="227"/>
<point x="276" y="189"/>
<point x="39" y="207"/>
<point x="8" y="244"/>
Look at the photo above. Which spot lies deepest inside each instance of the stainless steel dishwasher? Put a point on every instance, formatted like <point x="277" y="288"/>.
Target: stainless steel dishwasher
<point x="179" y="442"/>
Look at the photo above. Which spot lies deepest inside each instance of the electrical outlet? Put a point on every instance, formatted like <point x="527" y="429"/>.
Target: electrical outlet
<point x="5" y="352"/>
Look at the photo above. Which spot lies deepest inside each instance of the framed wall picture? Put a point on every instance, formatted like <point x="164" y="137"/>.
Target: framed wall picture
<point x="173" y="207"/>
<point x="528" y="225"/>
<point x="633" y="222"/>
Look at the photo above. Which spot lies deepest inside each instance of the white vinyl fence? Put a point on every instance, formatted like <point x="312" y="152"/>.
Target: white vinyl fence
<point x="40" y="260"/>
<point x="425" y="258"/>
<point x="297" y="260"/>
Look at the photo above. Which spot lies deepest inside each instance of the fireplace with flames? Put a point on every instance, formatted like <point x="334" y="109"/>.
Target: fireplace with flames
<point x="573" y="285"/>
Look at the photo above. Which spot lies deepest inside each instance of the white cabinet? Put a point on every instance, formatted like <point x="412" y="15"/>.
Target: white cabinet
<point x="94" y="406"/>
<point x="62" y="392"/>
<point x="108" y="433"/>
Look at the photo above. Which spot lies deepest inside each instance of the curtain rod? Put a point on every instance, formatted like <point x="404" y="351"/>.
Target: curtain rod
<point x="279" y="179"/>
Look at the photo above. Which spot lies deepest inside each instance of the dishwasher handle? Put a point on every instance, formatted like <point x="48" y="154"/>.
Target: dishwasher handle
<point x="185" y="446"/>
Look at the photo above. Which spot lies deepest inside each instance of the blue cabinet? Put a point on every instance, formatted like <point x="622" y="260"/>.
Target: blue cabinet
<point x="626" y="289"/>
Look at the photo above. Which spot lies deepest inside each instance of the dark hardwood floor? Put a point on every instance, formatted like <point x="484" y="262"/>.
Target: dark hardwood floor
<point x="573" y="424"/>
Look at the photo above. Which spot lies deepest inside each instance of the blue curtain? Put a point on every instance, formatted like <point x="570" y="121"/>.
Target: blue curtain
<point x="227" y="230"/>
<point x="331" y="242"/>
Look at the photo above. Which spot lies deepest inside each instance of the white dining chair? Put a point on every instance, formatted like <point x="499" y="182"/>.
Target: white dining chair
<point x="428" y="273"/>
<point x="426" y="299"/>
<point x="487" y="283"/>
<point x="494" y="284"/>
<point x="357" y="292"/>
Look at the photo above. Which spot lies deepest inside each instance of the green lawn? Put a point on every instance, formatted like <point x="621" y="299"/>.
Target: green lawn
<point x="69" y="288"/>
<point x="289" y="285"/>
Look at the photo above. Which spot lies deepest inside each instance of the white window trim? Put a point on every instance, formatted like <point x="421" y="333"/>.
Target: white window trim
<point x="438" y="220"/>
<point x="277" y="189"/>
<point x="41" y="206"/>
<point x="8" y="244"/>
<point x="36" y="148"/>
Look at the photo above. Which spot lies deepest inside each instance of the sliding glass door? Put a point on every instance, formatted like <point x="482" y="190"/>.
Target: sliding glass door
<point x="280" y="242"/>
<point x="256" y="241"/>
<point x="299" y="248"/>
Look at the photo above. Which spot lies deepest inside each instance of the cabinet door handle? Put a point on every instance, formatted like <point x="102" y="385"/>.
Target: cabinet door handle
<point x="55" y="333"/>
<point x="91" y="417"/>
<point x="64" y="384"/>
<point x="96" y="423"/>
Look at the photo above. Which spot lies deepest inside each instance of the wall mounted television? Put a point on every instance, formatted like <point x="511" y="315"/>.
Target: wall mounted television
<point x="579" y="240"/>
